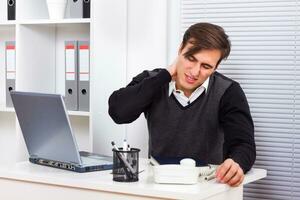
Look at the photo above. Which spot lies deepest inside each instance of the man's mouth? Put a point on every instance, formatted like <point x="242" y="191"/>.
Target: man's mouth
<point x="190" y="79"/>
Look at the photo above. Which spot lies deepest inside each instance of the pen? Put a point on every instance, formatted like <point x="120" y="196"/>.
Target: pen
<point x="125" y="148"/>
<point x="209" y="177"/>
<point x="124" y="145"/>
<point x="211" y="174"/>
<point x="114" y="146"/>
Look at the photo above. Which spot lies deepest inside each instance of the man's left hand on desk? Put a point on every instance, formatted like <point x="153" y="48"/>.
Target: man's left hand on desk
<point x="230" y="172"/>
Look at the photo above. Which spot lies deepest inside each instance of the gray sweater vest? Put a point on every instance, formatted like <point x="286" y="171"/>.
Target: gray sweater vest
<point x="192" y="131"/>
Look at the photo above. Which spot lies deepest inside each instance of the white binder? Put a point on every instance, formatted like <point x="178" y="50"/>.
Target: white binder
<point x="10" y="66"/>
<point x="84" y="75"/>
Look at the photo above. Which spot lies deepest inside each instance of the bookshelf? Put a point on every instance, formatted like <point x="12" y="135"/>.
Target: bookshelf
<point x="126" y="37"/>
<point x="40" y="67"/>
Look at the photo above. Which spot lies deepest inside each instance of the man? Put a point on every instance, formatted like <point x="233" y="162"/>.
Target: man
<point x="192" y="110"/>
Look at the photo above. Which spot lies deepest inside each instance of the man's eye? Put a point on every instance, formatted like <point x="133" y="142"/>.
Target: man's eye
<point x="206" y="67"/>
<point x="190" y="58"/>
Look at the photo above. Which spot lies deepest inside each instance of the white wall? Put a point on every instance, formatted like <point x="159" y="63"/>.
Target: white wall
<point x="130" y="36"/>
<point x="174" y="37"/>
<point x="108" y="49"/>
<point x="147" y="49"/>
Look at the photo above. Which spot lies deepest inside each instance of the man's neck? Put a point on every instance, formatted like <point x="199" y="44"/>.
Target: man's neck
<point x="186" y="92"/>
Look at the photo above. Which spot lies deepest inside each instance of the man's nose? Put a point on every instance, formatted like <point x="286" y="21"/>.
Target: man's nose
<point x="195" y="70"/>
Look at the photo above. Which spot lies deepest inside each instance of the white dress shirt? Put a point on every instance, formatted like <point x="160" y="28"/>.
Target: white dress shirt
<point x="184" y="100"/>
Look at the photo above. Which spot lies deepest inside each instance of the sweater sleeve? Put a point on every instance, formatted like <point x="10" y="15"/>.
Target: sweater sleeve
<point x="126" y="104"/>
<point x="237" y="123"/>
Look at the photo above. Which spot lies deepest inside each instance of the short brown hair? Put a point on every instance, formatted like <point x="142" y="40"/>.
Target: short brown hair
<point x="206" y="36"/>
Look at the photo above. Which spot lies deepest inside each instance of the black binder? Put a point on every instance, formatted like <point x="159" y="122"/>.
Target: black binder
<point x="11" y="9"/>
<point x="86" y="8"/>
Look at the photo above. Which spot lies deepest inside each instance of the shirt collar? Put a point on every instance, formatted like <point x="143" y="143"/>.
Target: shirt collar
<point x="172" y="86"/>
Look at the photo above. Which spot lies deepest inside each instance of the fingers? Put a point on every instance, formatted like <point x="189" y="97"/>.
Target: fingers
<point x="223" y="169"/>
<point x="173" y="69"/>
<point x="230" y="172"/>
<point x="237" y="179"/>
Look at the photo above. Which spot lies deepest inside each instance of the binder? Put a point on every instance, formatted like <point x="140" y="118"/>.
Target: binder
<point x="86" y="8"/>
<point x="84" y="75"/>
<point x="11" y="9"/>
<point x="71" y="75"/>
<point x="10" y="66"/>
<point x="74" y="9"/>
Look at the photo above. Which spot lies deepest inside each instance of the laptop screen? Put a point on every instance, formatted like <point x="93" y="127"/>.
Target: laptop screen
<point x="45" y="126"/>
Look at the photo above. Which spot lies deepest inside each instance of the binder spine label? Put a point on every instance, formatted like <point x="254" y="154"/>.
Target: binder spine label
<point x="84" y="64"/>
<point x="70" y="62"/>
<point x="10" y="62"/>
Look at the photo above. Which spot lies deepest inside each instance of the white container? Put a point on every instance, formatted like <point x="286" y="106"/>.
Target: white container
<point x="56" y="8"/>
<point x="175" y="174"/>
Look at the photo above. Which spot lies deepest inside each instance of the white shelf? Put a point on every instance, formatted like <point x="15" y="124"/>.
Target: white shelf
<point x="45" y="21"/>
<point x="8" y="23"/>
<point x="79" y="113"/>
<point x="51" y="21"/>
<point x="6" y="109"/>
<point x="70" y="112"/>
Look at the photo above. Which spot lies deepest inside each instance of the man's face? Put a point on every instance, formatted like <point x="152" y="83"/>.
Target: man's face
<point x="192" y="71"/>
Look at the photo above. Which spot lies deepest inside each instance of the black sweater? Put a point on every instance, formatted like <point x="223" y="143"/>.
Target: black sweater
<point x="126" y="105"/>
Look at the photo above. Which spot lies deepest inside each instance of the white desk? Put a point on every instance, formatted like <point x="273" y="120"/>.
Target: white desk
<point x="29" y="181"/>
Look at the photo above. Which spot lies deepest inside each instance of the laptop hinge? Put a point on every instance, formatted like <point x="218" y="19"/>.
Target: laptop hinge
<point x="33" y="156"/>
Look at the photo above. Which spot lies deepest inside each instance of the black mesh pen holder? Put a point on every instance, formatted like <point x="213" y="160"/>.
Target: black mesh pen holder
<point x="126" y="165"/>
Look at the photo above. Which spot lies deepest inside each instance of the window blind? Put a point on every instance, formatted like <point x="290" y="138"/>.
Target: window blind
<point x="265" y="61"/>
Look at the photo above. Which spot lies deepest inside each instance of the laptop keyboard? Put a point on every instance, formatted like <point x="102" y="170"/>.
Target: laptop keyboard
<point x="94" y="161"/>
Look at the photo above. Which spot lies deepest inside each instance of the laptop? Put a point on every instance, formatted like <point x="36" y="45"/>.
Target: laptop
<point x="48" y="134"/>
